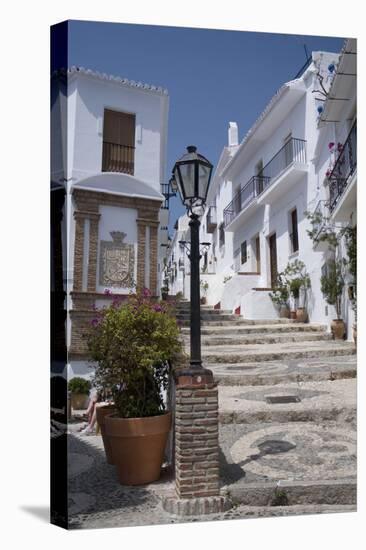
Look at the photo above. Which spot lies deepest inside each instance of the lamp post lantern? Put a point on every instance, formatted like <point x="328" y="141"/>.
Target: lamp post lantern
<point x="192" y="175"/>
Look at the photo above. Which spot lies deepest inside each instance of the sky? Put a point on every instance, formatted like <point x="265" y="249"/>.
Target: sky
<point x="212" y="76"/>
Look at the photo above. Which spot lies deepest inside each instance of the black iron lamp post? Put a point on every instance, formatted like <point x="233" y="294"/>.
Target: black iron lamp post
<point x="192" y="175"/>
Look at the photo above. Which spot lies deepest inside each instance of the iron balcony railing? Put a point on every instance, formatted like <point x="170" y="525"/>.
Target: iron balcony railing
<point x="344" y="167"/>
<point x="244" y="197"/>
<point x="118" y="158"/>
<point x="166" y="190"/>
<point x="294" y="150"/>
<point x="211" y="219"/>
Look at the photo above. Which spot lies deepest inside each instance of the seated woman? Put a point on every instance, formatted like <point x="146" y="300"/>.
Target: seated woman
<point x="96" y="400"/>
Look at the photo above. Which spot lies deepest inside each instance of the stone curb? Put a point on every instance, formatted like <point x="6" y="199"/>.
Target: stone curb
<point x="284" y="416"/>
<point x="305" y="492"/>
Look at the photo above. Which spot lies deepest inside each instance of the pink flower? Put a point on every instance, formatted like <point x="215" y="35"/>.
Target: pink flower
<point x="339" y="147"/>
<point x="327" y="173"/>
<point x="95" y="322"/>
<point x="146" y="293"/>
<point x="157" y="307"/>
<point x="107" y="292"/>
<point x="331" y="145"/>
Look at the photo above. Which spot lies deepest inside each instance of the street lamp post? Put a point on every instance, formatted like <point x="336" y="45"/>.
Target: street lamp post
<point x="196" y="409"/>
<point x="192" y="175"/>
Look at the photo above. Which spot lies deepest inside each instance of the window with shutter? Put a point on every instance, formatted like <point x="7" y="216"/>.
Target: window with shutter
<point x="118" y="142"/>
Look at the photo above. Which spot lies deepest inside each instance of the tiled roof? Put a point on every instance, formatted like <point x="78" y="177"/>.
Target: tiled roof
<point x="111" y="78"/>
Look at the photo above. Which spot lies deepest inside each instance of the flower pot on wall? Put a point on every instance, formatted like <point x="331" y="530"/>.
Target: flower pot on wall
<point x="338" y="329"/>
<point x="301" y="315"/>
<point x="138" y="446"/>
<point x="203" y="300"/>
<point x="293" y="315"/>
<point x="79" y="401"/>
<point x="101" y="413"/>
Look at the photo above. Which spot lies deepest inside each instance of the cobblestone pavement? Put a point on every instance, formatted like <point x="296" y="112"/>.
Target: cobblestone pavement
<point x="256" y="453"/>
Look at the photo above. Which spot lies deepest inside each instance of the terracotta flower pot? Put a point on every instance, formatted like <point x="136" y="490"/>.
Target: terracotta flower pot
<point x="355" y="334"/>
<point x="338" y="329"/>
<point x="293" y="315"/>
<point x="101" y="413"/>
<point x="138" y="446"/>
<point x="79" y="401"/>
<point x="284" y="312"/>
<point x="203" y="300"/>
<point x="301" y="315"/>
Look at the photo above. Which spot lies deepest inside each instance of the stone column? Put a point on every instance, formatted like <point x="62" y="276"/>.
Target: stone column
<point x="196" y="449"/>
<point x="140" y="253"/>
<point x="78" y="251"/>
<point x="93" y="251"/>
<point x="154" y="258"/>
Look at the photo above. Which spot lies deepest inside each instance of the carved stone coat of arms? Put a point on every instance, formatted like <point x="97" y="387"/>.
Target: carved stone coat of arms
<point x="117" y="262"/>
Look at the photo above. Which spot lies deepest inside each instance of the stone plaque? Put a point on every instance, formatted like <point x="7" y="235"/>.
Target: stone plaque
<point x="117" y="262"/>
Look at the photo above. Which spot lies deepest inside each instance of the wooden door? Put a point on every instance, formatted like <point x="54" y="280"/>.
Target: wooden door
<point x="258" y="254"/>
<point x="273" y="259"/>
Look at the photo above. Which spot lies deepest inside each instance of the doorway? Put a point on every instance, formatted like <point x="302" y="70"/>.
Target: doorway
<point x="257" y="251"/>
<point x="273" y="259"/>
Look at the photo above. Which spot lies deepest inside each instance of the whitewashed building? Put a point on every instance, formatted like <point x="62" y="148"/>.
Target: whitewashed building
<point x="263" y="187"/>
<point x="109" y="139"/>
<point x="335" y="162"/>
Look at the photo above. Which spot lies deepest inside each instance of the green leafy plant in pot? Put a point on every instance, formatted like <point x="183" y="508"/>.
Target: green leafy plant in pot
<point x="280" y="296"/>
<point x="298" y="280"/>
<point x="79" y="388"/>
<point x="132" y="344"/>
<point x="204" y="287"/>
<point x="332" y="284"/>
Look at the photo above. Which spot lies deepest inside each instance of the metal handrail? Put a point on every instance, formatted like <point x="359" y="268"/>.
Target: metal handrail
<point x="343" y="169"/>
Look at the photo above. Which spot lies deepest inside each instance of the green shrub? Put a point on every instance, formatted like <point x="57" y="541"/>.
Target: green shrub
<point x="79" y="385"/>
<point x="132" y="343"/>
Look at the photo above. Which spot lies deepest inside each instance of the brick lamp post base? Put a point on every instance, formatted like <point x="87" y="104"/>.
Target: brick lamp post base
<point x="196" y="448"/>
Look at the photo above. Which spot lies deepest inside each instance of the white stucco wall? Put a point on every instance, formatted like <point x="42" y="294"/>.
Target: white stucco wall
<point x="95" y="95"/>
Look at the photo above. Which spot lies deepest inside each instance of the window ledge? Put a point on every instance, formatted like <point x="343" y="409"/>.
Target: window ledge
<point x="293" y="255"/>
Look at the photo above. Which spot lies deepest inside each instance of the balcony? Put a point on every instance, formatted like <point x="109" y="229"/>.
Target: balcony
<point x="118" y="158"/>
<point x="243" y="198"/>
<point x="211" y="219"/>
<point x="286" y="166"/>
<point x="167" y="191"/>
<point x="344" y="168"/>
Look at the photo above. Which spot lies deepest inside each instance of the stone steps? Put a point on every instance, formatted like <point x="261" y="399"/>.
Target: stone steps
<point x="279" y="372"/>
<point x="328" y="496"/>
<point x="222" y="321"/>
<point x="264" y="339"/>
<point x="279" y="351"/>
<point x="235" y="330"/>
<point x="287" y="414"/>
<point x="292" y="402"/>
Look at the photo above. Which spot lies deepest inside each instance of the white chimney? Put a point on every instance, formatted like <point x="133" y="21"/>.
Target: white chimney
<point x="233" y="138"/>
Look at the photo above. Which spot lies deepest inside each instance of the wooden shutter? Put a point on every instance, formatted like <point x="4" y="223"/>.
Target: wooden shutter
<point x="119" y="128"/>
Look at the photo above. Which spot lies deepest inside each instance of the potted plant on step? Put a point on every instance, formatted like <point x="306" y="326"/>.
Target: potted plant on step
<point x="204" y="286"/>
<point x="280" y="296"/>
<point x="299" y="282"/>
<point x="332" y="283"/>
<point x="79" y="389"/>
<point x="132" y="344"/>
